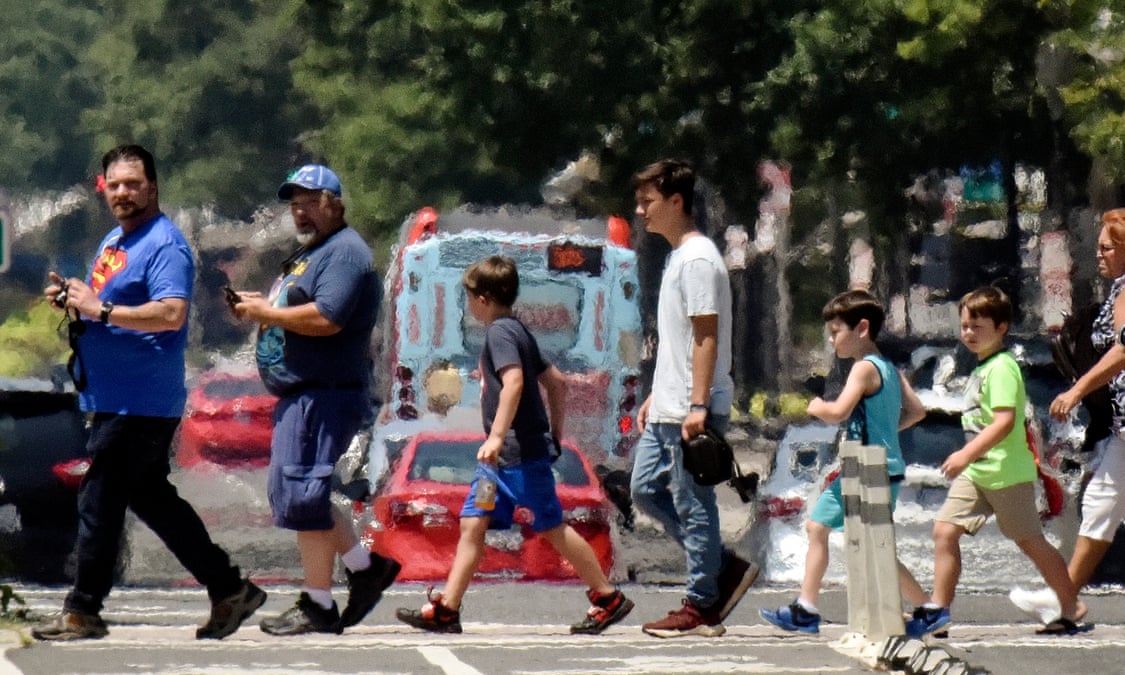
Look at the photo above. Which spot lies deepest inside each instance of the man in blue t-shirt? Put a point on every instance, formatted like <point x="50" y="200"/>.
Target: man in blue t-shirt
<point x="130" y="316"/>
<point x="313" y="353"/>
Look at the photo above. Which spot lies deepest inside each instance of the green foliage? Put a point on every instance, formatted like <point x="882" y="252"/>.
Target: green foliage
<point x="206" y="87"/>
<point x="30" y="343"/>
<point x="46" y="86"/>
<point x="445" y="102"/>
<point x="7" y="596"/>
<point x="1092" y="53"/>
<point x="440" y="102"/>
<point x="788" y="405"/>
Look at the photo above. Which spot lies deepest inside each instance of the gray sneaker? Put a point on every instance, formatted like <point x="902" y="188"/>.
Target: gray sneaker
<point x="229" y="613"/>
<point x="71" y="626"/>
<point x="304" y="617"/>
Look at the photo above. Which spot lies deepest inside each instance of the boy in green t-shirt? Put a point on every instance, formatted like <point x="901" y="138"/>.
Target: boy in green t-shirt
<point x="993" y="473"/>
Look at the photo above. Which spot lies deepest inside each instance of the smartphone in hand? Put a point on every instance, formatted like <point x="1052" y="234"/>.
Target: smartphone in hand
<point x="232" y="297"/>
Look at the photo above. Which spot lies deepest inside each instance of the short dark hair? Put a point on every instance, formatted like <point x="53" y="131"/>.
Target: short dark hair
<point x="854" y="306"/>
<point x="987" y="302"/>
<point x="495" y="277"/>
<point x="131" y="153"/>
<point x="669" y="177"/>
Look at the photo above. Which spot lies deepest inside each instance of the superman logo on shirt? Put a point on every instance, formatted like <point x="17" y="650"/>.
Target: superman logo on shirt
<point x="109" y="263"/>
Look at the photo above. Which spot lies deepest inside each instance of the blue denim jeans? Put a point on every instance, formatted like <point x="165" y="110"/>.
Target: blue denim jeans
<point x="688" y="512"/>
<point x="129" y="469"/>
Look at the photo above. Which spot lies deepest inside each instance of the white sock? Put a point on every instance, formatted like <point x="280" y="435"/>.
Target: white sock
<point x="320" y="597"/>
<point x="807" y="606"/>
<point x="357" y="558"/>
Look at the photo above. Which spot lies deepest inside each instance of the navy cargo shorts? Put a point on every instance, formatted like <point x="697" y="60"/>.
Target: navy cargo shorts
<point x="311" y="430"/>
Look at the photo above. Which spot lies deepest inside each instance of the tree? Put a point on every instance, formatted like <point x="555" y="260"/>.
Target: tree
<point x="448" y="102"/>
<point x="206" y="87"/>
<point x="1084" y="79"/>
<point x="46" y="87"/>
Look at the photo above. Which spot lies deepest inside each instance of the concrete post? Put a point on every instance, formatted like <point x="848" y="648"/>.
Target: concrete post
<point x="874" y="600"/>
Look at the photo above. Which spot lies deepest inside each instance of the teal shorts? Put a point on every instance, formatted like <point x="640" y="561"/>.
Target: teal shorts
<point x="829" y="508"/>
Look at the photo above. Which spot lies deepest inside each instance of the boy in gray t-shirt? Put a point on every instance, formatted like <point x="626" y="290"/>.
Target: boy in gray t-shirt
<point x="517" y="457"/>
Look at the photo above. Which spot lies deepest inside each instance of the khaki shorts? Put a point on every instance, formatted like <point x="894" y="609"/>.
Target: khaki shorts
<point x="968" y="505"/>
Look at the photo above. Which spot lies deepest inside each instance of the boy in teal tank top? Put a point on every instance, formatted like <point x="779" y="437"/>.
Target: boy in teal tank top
<point x="877" y="402"/>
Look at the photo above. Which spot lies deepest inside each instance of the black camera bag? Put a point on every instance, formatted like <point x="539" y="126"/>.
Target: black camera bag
<point x="708" y="457"/>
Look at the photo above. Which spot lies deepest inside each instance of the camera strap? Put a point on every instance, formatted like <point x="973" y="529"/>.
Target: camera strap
<point x="74" y="367"/>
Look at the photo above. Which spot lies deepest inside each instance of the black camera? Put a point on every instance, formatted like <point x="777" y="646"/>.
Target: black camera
<point x="60" y="299"/>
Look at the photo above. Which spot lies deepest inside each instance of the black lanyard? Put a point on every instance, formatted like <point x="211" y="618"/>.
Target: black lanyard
<point x="74" y="328"/>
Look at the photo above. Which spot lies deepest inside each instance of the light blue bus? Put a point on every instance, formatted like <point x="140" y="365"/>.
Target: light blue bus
<point x="579" y="295"/>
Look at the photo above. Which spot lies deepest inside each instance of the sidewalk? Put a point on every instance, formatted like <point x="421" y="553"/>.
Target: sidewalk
<point x="9" y="639"/>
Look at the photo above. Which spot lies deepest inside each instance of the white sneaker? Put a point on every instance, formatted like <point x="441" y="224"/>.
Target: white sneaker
<point x="1041" y="605"/>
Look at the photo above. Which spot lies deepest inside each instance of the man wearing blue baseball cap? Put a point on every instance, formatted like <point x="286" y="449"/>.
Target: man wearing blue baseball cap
<point x="313" y="352"/>
<point x="313" y="177"/>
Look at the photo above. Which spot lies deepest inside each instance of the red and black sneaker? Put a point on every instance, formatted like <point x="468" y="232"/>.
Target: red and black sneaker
<point x="687" y="620"/>
<point x="605" y="610"/>
<point x="433" y="616"/>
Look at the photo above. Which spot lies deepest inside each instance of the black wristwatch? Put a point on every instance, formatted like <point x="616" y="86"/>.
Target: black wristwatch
<point x="107" y="307"/>
<point x="699" y="407"/>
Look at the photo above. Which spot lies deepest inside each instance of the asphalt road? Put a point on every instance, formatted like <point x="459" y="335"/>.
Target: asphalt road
<point x="523" y="628"/>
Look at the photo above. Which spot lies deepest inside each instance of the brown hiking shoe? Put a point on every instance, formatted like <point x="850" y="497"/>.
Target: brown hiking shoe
<point x="71" y="626"/>
<point x="229" y="613"/>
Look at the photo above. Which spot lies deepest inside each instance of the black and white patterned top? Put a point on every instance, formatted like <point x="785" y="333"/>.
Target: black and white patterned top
<point x="1103" y="336"/>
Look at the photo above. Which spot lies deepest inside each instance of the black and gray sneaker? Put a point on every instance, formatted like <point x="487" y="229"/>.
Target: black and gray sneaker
<point x="229" y="613"/>
<point x="434" y="616"/>
<point x="605" y="610"/>
<point x="304" y="617"/>
<point x="69" y="625"/>
<point x="366" y="587"/>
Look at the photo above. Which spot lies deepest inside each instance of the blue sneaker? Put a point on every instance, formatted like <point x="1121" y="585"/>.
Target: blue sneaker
<point x="792" y="617"/>
<point x="927" y="621"/>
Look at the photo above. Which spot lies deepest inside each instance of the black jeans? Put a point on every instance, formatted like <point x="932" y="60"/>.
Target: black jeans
<point x="129" y="469"/>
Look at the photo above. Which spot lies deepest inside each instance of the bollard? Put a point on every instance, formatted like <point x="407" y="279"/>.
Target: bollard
<point x="874" y="600"/>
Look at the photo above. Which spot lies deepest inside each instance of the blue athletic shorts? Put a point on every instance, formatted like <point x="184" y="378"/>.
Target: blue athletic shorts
<point x="829" y="508"/>
<point x="532" y="485"/>
<point x="310" y="432"/>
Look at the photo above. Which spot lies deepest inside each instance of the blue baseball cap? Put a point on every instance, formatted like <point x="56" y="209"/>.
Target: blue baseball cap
<point x="311" y="177"/>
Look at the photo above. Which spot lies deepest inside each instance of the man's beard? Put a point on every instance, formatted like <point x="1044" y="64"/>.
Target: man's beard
<point x="305" y="238"/>
<point x="125" y="209"/>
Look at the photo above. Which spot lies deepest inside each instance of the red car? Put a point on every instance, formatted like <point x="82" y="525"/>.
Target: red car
<point x="228" y="421"/>
<point x="415" y="517"/>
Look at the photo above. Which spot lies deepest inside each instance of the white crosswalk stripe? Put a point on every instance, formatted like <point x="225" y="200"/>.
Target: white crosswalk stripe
<point x="153" y="631"/>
